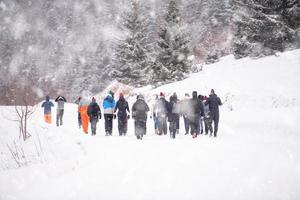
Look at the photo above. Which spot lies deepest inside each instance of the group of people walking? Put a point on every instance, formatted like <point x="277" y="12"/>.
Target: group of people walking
<point x="198" y="112"/>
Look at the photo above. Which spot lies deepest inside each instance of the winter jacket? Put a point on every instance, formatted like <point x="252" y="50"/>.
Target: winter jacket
<point x="161" y="108"/>
<point x="122" y="107"/>
<point x="139" y="110"/>
<point x="109" y="105"/>
<point x="94" y="111"/>
<point x="47" y="106"/>
<point x="213" y="103"/>
<point x="173" y="110"/>
<point x="206" y="109"/>
<point x="196" y="108"/>
<point x="184" y="106"/>
<point x="60" y="102"/>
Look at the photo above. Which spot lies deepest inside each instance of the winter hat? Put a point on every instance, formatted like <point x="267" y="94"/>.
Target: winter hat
<point x="111" y="93"/>
<point x="140" y="96"/>
<point x="194" y="94"/>
<point x="212" y="91"/>
<point x="201" y="97"/>
<point x="161" y="94"/>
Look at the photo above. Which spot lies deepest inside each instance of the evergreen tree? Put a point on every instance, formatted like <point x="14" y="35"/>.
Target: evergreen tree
<point x="262" y="30"/>
<point x="172" y="60"/>
<point x="132" y="62"/>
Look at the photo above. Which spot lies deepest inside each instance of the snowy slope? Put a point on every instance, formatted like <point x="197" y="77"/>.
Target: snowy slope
<point x="256" y="156"/>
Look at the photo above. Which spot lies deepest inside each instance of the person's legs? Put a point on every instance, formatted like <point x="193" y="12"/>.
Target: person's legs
<point x="94" y="126"/>
<point x="57" y="117"/>
<point x="84" y="119"/>
<point x="216" y="124"/>
<point x="61" y="116"/>
<point x="79" y="120"/>
<point x="110" y="123"/>
<point x="48" y="118"/>
<point x="125" y="122"/>
<point x="120" y="126"/>
<point x="165" y="126"/>
<point x="186" y="125"/>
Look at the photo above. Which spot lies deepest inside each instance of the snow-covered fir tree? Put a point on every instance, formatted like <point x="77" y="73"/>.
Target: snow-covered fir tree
<point x="132" y="62"/>
<point x="172" y="61"/>
<point x="263" y="28"/>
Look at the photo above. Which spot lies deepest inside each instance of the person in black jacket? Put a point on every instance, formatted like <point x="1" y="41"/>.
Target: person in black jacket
<point x="173" y="115"/>
<point x="195" y="112"/>
<point x="214" y="102"/>
<point x="94" y="114"/>
<point x="123" y="108"/>
<point x="139" y="114"/>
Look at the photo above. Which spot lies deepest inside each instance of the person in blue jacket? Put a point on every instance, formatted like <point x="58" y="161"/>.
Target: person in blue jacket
<point x="108" y="110"/>
<point x="47" y="110"/>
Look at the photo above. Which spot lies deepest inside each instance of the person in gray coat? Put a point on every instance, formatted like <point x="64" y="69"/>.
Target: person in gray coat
<point x="60" y="109"/>
<point x="213" y="103"/>
<point x="139" y="114"/>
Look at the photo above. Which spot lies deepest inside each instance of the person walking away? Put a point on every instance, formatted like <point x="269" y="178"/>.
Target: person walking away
<point x="60" y="100"/>
<point x="201" y="119"/>
<point x="154" y="114"/>
<point x="161" y="111"/>
<point x="207" y="118"/>
<point x="173" y="115"/>
<point x="108" y="106"/>
<point x="122" y="108"/>
<point x="83" y="107"/>
<point x="196" y="111"/>
<point x="213" y="103"/>
<point x="47" y="110"/>
<point x="184" y="110"/>
<point x="78" y="116"/>
<point x="177" y="110"/>
<point x="94" y="114"/>
<point x="139" y="114"/>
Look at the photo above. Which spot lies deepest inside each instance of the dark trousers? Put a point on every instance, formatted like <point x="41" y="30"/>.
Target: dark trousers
<point x="108" y="123"/>
<point x="93" y="125"/>
<point x="186" y="124"/>
<point x="194" y="123"/>
<point x="177" y="123"/>
<point x="172" y="128"/>
<point x="215" y="118"/>
<point x="163" y="127"/>
<point x="140" y="128"/>
<point x="122" y="125"/>
<point x="156" y="122"/>
<point x="59" y="116"/>
<point x="207" y="124"/>
<point x="79" y="120"/>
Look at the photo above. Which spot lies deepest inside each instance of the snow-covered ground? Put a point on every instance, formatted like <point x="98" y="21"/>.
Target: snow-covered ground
<point x="256" y="154"/>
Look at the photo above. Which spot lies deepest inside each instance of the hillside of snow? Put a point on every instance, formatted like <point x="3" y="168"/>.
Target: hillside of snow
<point x="255" y="156"/>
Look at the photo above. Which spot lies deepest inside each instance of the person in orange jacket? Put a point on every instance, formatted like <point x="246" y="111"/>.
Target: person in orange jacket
<point x="83" y="107"/>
